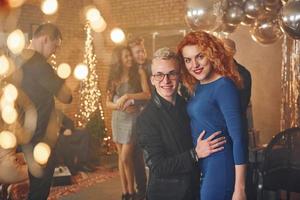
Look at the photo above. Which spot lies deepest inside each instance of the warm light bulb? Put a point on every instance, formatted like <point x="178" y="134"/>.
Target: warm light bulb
<point x="9" y="114"/>
<point x="49" y="7"/>
<point x="16" y="41"/>
<point x="81" y="71"/>
<point x="99" y="25"/>
<point x="4" y="65"/>
<point x="64" y="70"/>
<point x="117" y="35"/>
<point x="10" y="92"/>
<point x="93" y="14"/>
<point x="41" y="153"/>
<point x="7" y="140"/>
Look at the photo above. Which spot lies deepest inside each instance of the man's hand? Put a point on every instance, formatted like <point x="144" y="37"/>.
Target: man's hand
<point x="210" y="145"/>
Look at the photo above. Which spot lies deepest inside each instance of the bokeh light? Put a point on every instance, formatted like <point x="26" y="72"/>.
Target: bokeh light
<point x="41" y="153"/>
<point x="99" y="25"/>
<point x="10" y="92"/>
<point x="9" y="114"/>
<point x="81" y="71"/>
<point x="93" y="14"/>
<point x="4" y="65"/>
<point x="15" y="3"/>
<point x="49" y="7"/>
<point x="7" y="140"/>
<point x="117" y="35"/>
<point x="64" y="70"/>
<point x="16" y="41"/>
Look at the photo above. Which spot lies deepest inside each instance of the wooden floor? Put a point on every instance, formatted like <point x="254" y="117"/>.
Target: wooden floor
<point x="108" y="190"/>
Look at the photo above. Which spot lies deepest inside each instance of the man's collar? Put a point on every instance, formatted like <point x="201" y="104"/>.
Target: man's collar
<point x="161" y="102"/>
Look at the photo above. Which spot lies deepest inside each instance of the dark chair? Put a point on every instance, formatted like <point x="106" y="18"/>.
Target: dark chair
<point x="280" y="169"/>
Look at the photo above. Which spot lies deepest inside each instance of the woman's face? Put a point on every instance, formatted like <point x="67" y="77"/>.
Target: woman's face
<point x="197" y="64"/>
<point x="126" y="58"/>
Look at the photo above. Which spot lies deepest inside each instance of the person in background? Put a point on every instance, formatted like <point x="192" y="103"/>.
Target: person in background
<point x="213" y="82"/>
<point x="41" y="84"/>
<point x="126" y="84"/>
<point x="245" y="91"/>
<point x="245" y="96"/>
<point x="139" y="54"/>
<point x="73" y="146"/>
<point x="164" y="134"/>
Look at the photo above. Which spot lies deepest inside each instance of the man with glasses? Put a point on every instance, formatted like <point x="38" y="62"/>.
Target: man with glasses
<point x="164" y="134"/>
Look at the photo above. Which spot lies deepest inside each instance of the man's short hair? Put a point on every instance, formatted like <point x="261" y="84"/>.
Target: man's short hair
<point x="165" y="53"/>
<point x="135" y="42"/>
<point x="48" y="29"/>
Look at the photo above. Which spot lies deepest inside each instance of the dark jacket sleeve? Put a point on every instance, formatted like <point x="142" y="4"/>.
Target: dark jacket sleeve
<point x="159" y="161"/>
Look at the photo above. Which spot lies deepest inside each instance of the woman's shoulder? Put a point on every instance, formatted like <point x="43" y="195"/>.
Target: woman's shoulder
<point x="226" y="82"/>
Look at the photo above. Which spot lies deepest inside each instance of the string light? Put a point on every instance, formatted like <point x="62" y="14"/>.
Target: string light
<point x="290" y="84"/>
<point x="89" y="91"/>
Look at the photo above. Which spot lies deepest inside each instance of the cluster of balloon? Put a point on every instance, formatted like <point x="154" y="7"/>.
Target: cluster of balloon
<point x="266" y="25"/>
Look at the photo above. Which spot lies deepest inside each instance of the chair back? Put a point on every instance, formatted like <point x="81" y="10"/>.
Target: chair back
<point x="281" y="165"/>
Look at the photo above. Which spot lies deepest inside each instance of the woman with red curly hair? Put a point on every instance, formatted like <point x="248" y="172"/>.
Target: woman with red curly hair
<point x="213" y="83"/>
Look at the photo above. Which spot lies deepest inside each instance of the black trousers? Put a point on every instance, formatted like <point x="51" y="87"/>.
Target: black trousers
<point x="39" y="188"/>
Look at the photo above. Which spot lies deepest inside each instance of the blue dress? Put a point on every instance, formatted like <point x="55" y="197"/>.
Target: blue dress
<point x="216" y="107"/>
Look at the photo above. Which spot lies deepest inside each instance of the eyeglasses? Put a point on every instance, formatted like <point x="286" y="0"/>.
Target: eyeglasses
<point x="160" y="76"/>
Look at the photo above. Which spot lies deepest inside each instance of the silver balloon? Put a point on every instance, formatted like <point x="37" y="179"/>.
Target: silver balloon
<point x="234" y="15"/>
<point x="253" y="8"/>
<point x="247" y="21"/>
<point x="290" y="19"/>
<point x="272" y="5"/>
<point x="236" y="2"/>
<point x="266" y="29"/>
<point x="226" y="28"/>
<point x="204" y="15"/>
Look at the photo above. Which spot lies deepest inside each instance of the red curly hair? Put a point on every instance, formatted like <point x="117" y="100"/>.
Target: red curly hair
<point x="212" y="48"/>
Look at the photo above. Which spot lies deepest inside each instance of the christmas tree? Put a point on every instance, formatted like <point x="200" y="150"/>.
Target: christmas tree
<point x="90" y="112"/>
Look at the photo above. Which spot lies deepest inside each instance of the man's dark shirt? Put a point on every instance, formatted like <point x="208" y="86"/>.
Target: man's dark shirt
<point x="245" y="92"/>
<point x="40" y="83"/>
<point x="245" y="95"/>
<point x="165" y="137"/>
